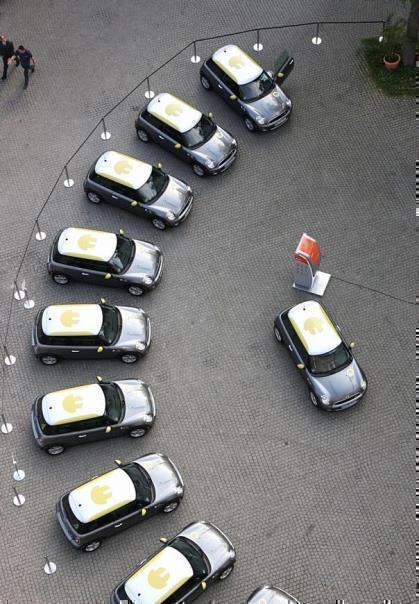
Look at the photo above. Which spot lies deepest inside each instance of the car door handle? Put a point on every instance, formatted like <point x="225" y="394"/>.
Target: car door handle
<point x="82" y="435"/>
<point x="115" y="197"/>
<point x="85" y="274"/>
<point x="162" y="137"/>
<point x="219" y="86"/>
<point x="118" y="525"/>
<point x="290" y="347"/>
<point x="75" y="351"/>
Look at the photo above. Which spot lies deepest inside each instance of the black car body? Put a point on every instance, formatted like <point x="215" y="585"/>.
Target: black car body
<point x="86" y="414"/>
<point x="247" y="88"/>
<point x="271" y="595"/>
<point x="140" y="188"/>
<point x="119" y="499"/>
<point x="104" y="258"/>
<point x="184" y="567"/>
<point x="186" y="132"/>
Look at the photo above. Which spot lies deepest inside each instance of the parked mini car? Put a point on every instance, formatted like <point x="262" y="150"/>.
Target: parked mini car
<point x="104" y="258"/>
<point x="188" y="133"/>
<point x="181" y="570"/>
<point x="85" y="414"/>
<point x="271" y="595"/>
<point x="335" y="380"/>
<point x="144" y="190"/>
<point x="90" y="331"/>
<point x="112" y="502"/>
<point x="247" y="88"/>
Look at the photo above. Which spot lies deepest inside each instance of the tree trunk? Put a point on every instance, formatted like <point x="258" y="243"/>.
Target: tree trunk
<point x="409" y="47"/>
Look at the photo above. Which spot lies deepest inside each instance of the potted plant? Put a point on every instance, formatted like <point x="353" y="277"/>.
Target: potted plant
<point x="393" y="37"/>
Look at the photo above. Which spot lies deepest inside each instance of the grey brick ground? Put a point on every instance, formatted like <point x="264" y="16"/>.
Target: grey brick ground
<point x="320" y="504"/>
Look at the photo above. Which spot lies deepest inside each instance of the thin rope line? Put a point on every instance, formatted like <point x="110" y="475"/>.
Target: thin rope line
<point x="376" y="291"/>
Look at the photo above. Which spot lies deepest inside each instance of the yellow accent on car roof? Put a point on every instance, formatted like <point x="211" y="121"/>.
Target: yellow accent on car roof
<point x="102" y="495"/>
<point x="314" y="328"/>
<point x="174" y="112"/>
<point x="72" y="320"/>
<point x="87" y="244"/>
<point x="73" y="404"/>
<point x="123" y="169"/>
<point x="241" y="68"/>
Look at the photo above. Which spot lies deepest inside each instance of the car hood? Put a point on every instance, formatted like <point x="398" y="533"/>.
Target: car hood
<point x="134" y="326"/>
<point x="139" y="401"/>
<point x="215" y="545"/>
<point x="342" y="384"/>
<point x="269" y="106"/>
<point x="271" y="595"/>
<point x="164" y="475"/>
<point x="217" y="147"/>
<point x="146" y="260"/>
<point x="174" y="198"/>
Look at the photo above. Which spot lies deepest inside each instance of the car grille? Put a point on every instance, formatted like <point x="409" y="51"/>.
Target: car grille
<point x="227" y="161"/>
<point x="185" y="212"/>
<point x="351" y="397"/>
<point x="280" y="119"/>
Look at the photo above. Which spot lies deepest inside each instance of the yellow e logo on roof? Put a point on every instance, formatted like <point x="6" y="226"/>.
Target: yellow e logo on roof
<point x="174" y="109"/>
<point x="71" y="404"/>
<point x="101" y="494"/>
<point x="158" y="578"/>
<point x="123" y="167"/>
<point x="236" y="61"/>
<point x="86" y="242"/>
<point x="313" y="325"/>
<point x="69" y="318"/>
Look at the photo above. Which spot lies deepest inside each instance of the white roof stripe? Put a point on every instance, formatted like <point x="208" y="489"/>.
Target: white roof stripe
<point x="87" y="244"/>
<point x="314" y="328"/>
<point x="123" y="169"/>
<point x="72" y="320"/>
<point x="174" y="112"/>
<point x="241" y="68"/>
<point x="73" y="404"/>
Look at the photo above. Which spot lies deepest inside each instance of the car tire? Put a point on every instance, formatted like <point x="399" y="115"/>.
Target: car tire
<point x="60" y="278"/>
<point x="250" y="124"/>
<point x="94" y="197"/>
<point x="313" y="398"/>
<point x="198" y="170"/>
<point x="138" y="432"/>
<point x="143" y="135"/>
<point x="130" y="358"/>
<point x="55" y="450"/>
<point x="134" y="290"/>
<point x="277" y="334"/>
<point x="205" y="83"/>
<point x="92" y="547"/>
<point x="49" y="359"/>
<point x="226" y="573"/>
<point x="170" y="507"/>
<point x="158" y="224"/>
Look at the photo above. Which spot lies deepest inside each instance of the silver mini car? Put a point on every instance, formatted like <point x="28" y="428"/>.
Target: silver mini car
<point x="85" y="414"/>
<point x="271" y="595"/>
<point x="335" y="380"/>
<point x="181" y="570"/>
<point x="104" y="258"/>
<point x="123" y="497"/>
<point x="90" y="331"/>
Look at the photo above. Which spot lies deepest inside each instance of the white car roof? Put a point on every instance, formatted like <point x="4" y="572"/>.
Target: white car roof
<point x="314" y="328"/>
<point x="87" y="244"/>
<point x="73" y="404"/>
<point x="159" y="578"/>
<point x="123" y="169"/>
<point x="241" y="68"/>
<point x="72" y="320"/>
<point x="102" y="495"/>
<point x="174" y="112"/>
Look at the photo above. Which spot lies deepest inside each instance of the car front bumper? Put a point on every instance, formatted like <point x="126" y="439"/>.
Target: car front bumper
<point x="345" y="404"/>
<point x="225" y="164"/>
<point x="275" y="122"/>
<point x="69" y="535"/>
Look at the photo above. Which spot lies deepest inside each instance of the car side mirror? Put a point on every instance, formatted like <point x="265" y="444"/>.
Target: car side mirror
<point x="233" y="97"/>
<point x="300" y="366"/>
<point x="134" y="203"/>
<point x="210" y="115"/>
<point x="108" y="429"/>
<point x="99" y="349"/>
<point x="178" y="146"/>
<point x="108" y="276"/>
<point x="203" y="585"/>
<point x="163" y="540"/>
<point x="279" y="75"/>
<point x="143" y="512"/>
<point x="99" y="378"/>
<point x="159" y="165"/>
<point x="351" y="345"/>
<point x="103" y="300"/>
<point x="121" y="232"/>
<point x="117" y="462"/>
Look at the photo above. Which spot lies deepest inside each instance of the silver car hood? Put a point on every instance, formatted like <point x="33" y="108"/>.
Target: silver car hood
<point x="145" y="262"/>
<point x="134" y="327"/>
<point x="165" y="477"/>
<point x="269" y="106"/>
<point x="271" y="595"/>
<point x="217" y="147"/>
<point x="139" y="401"/>
<point x="341" y="384"/>
<point x="215" y="545"/>
<point x="174" y="199"/>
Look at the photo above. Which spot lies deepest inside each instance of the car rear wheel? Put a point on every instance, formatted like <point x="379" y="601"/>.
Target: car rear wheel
<point x="198" y="170"/>
<point x="250" y="125"/>
<point x="143" y="136"/>
<point x="55" y="450"/>
<point x="158" y="224"/>
<point x="94" y="197"/>
<point x="134" y="290"/>
<point x="226" y="573"/>
<point x="278" y="334"/>
<point x="129" y="358"/>
<point x="170" y="507"/>
<point x="137" y="432"/>
<point x="313" y="398"/>
<point x="60" y="279"/>
<point x="205" y="83"/>
<point x="92" y="547"/>
<point x="49" y="359"/>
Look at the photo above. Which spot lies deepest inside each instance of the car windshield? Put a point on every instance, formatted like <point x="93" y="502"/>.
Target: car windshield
<point x="193" y="554"/>
<point x="200" y="133"/>
<point x="331" y="362"/>
<point x="257" y="89"/>
<point x="123" y="255"/>
<point x="154" y="186"/>
<point x="111" y="323"/>
<point x="142" y="483"/>
<point x="114" y="401"/>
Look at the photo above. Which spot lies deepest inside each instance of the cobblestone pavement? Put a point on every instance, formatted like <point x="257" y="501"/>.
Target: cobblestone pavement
<point x="321" y="504"/>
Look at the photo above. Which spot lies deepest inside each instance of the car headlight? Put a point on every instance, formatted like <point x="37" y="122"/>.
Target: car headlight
<point x="288" y="102"/>
<point x="170" y="216"/>
<point x="140" y="346"/>
<point x="325" y="399"/>
<point x="179" y="490"/>
<point x="147" y="280"/>
<point x="209" y="163"/>
<point x="260" y="120"/>
<point x="148" y="418"/>
<point x="363" y="384"/>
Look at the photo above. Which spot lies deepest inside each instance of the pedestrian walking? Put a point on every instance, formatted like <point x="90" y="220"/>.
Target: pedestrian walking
<point x="25" y="58"/>
<point x="6" y="52"/>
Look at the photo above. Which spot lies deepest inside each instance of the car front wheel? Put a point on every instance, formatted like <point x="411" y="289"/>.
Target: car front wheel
<point x="226" y="573"/>
<point x="278" y="334"/>
<point x="170" y="507"/>
<point x="92" y="547"/>
<point x="250" y="125"/>
<point x="60" y="279"/>
<point x="134" y="290"/>
<point x="143" y="136"/>
<point x="158" y="224"/>
<point x="49" y="359"/>
<point x="94" y="197"/>
<point x="313" y="398"/>
<point x="137" y="432"/>
<point x="129" y="358"/>
<point x="55" y="450"/>
<point x="198" y="170"/>
<point x="205" y="83"/>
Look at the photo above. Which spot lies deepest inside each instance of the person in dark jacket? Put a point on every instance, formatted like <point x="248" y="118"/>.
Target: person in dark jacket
<point x="6" y="52"/>
<point x="25" y="58"/>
